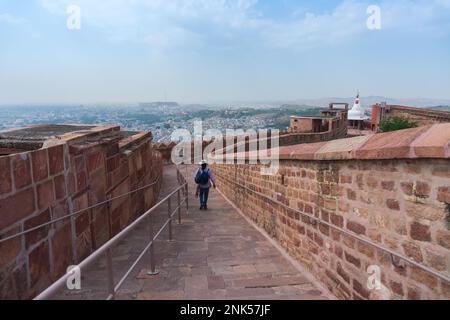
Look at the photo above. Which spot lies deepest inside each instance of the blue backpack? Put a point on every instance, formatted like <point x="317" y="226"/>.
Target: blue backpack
<point x="202" y="177"/>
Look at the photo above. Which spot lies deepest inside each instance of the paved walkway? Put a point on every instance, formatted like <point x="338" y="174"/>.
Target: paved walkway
<point x="215" y="254"/>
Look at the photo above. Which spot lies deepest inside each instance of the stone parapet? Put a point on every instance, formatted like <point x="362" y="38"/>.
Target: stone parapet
<point x="66" y="170"/>
<point x="424" y="142"/>
<point x="391" y="190"/>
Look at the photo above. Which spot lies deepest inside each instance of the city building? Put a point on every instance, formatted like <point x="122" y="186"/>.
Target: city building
<point x="323" y="123"/>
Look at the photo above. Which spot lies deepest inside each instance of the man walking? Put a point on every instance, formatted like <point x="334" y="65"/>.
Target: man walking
<point x="204" y="178"/>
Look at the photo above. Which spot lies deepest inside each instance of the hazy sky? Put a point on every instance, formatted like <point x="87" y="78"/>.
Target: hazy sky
<point x="216" y="50"/>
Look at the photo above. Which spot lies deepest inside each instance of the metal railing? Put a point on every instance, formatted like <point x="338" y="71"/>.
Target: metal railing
<point x="106" y="249"/>
<point x="313" y="219"/>
<point x="79" y="212"/>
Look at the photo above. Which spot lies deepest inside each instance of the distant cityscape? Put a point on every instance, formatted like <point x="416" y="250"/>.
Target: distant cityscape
<point x="163" y="117"/>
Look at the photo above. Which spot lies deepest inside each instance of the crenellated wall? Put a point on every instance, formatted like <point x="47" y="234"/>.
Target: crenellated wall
<point x="72" y="171"/>
<point x="392" y="190"/>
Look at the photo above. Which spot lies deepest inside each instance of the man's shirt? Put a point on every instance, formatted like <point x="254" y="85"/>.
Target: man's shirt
<point x="211" y="178"/>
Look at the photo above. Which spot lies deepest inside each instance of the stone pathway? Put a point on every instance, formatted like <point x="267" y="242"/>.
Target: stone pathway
<point x="215" y="254"/>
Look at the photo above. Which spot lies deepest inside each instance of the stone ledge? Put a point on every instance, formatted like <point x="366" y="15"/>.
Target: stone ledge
<point x="424" y="142"/>
<point x="134" y="139"/>
<point x="83" y="134"/>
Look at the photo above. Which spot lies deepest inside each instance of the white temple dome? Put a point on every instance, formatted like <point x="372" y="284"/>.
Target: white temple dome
<point x="357" y="112"/>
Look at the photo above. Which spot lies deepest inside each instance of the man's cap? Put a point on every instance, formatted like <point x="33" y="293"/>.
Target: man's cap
<point x="203" y="162"/>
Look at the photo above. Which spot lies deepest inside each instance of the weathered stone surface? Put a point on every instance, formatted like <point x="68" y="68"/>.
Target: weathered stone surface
<point x="36" y="221"/>
<point x="431" y="144"/>
<point x="444" y="194"/>
<point x="420" y="232"/>
<point x="60" y="187"/>
<point x="340" y="149"/>
<point x="9" y="249"/>
<point x="62" y="250"/>
<point x="21" y="169"/>
<point x="48" y="183"/>
<point x="216" y="255"/>
<point x="95" y="160"/>
<point x="46" y="194"/>
<point x="39" y="264"/>
<point x="443" y="238"/>
<point x="216" y="282"/>
<point x="393" y="204"/>
<point x="356" y="227"/>
<point x="413" y="251"/>
<point x="388" y="185"/>
<point x="39" y="159"/>
<point x="5" y="175"/>
<point x="353" y="260"/>
<point x="56" y="159"/>
<point x="16" y="207"/>
<point x="405" y="212"/>
<point x="389" y="145"/>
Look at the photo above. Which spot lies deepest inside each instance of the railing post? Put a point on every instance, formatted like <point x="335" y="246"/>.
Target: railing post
<point x="179" y="205"/>
<point x="187" y="199"/>
<point x="169" y="212"/>
<point x="109" y="268"/>
<point x="151" y="249"/>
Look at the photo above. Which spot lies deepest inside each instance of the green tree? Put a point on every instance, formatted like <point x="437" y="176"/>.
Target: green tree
<point x="397" y="123"/>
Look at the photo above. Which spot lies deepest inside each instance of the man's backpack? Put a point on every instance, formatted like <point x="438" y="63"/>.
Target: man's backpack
<point x="202" y="177"/>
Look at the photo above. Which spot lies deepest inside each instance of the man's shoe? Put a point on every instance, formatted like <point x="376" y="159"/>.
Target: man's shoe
<point x="205" y="207"/>
<point x="201" y="207"/>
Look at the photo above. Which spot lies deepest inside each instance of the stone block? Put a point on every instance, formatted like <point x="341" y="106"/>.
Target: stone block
<point x="444" y="194"/>
<point x="353" y="260"/>
<point x="393" y="204"/>
<point x="39" y="234"/>
<point x="434" y="142"/>
<point x="39" y="159"/>
<point x="424" y="278"/>
<point x="360" y="289"/>
<point x="443" y="238"/>
<point x="344" y="275"/>
<point x="388" y="185"/>
<point x="46" y="194"/>
<point x="21" y="168"/>
<point x="419" y="231"/>
<point x="5" y="175"/>
<point x="95" y="160"/>
<point x="16" y="207"/>
<point x="10" y="249"/>
<point x="39" y="263"/>
<point x="413" y="251"/>
<point x="62" y="250"/>
<point x="356" y="227"/>
<point x="56" y="159"/>
<point x="60" y="187"/>
<point x="385" y="146"/>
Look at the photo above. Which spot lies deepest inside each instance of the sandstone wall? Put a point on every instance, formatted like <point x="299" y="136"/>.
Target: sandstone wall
<point x="379" y="188"/>
<point x="422" y="117"/>
<point x="39" y="186"/>
<point x="337" y="130"/>
<point x="166" y="151"/>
